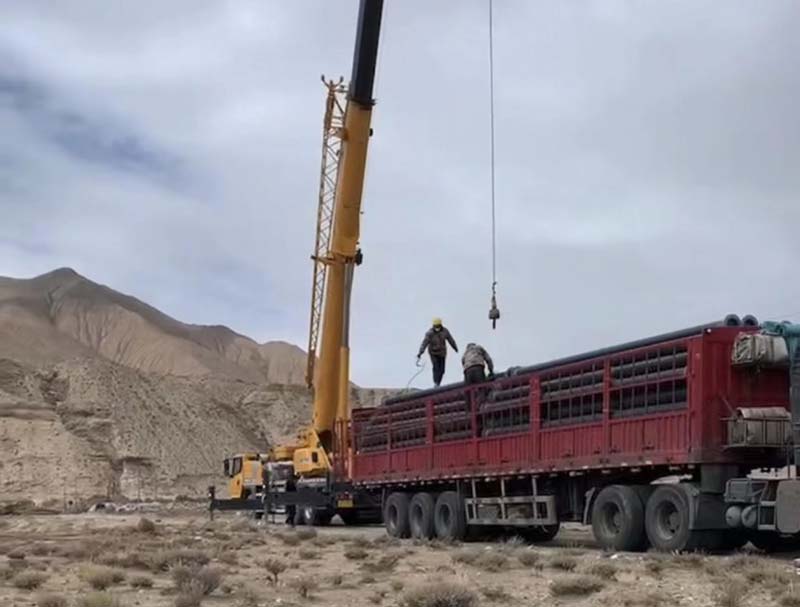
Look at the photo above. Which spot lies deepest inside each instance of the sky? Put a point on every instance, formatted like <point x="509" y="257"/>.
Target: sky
<point x="647" y="160"/>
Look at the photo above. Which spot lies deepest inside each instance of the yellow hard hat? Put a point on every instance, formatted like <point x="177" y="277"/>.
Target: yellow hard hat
<point x="437" y="322"/>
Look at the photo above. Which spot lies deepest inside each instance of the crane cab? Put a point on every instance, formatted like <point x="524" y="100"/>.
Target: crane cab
<point x="245" y="475"/>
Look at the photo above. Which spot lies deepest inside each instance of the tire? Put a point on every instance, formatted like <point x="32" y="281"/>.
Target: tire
<point x="395" y="515"/>
<point x="308" y="515"/>
<point x="449" y="517"/>
<point x="618" y="519"/>
<point x="420" y="516"/>
<point x="542" y="533"/>
<point x="666" y="521"/>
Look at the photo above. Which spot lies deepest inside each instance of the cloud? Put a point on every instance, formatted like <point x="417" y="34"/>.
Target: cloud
<point x="646" y="165"/>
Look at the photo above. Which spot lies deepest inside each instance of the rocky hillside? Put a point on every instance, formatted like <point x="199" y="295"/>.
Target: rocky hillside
<point x="103" y="395"/>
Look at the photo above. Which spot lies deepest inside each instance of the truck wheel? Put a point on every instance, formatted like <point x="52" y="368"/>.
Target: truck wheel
<point x="618" y="519"/>
<point x="420" y="516"/>
<point x="309" y="515"/>
<point x="542" y="533"/>
<point x="449" y="518"/>
<point x="666" y="520"/>
<point x="395" y="515"/>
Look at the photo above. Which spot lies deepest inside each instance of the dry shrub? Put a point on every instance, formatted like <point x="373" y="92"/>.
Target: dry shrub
<point x="17" y="554"/>
<point x="647" y="599"/>
<point x="654" y="567"/>
<point x="512" y="544"/>
<point x="367" y="579"/>
<point x="730" y="592"/>
<point x="563" y="563"/>
<point x="440" y="594"/>
<point x="6" y="573"/>
<point x="376" y="598"/>
<point x="188" y="599"/>
<point x="141" y="581"/>
<point x="228" y="557"/>
<point x="790" y="599"/>
<point x="607" y="571"/>
<point x="576" y="585"/>
<point x="385" y="541"/>
<point x="247" y="596"/>
<point x="100" y="577"/>
<point x="163" y="560"/>
<point x="193" y="580"/>
<point x="529" y="558"/>
<point x="274" y="567"/>
<point x="307" y="554"/>
<point x="304" y="586"/>
<point x="496" y="594"/>
<point x="145" y="525"/>
<point x="491" y="561"/>
<point x="81" y="551"/>
<point x="396" y="585"/>
<point x="321" y="541"/>
<point x="289" y="539"/>
<point x="41" y="549"/>
<point x="385" y="564"/>
<point x="336" y="579"/>
<point x="241" y="524"/>
<point x="51" y="600"/>
<point x="466" y="556"/>
<point x="306" y="533"/>
<point x="98" y="599"/>
<point x="355" y="554"/>
<point x="29" y="580"/>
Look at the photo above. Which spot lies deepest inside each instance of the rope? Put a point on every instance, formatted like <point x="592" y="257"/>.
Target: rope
<point x="491" y="127"/>
<point x="421" y="365"/>
<point x="494" y="312"/>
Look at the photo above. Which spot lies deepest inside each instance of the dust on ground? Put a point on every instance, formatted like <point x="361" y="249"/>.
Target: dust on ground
<point x="184" y="560"/>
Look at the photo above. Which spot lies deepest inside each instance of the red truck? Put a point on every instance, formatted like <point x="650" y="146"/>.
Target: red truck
<point x="651" y="442"/>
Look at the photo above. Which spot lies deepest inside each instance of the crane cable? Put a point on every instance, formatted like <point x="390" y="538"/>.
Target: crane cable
<point x="494" y="311"/>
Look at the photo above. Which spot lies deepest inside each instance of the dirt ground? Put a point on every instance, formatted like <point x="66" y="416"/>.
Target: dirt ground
<point x="183" y="560"/>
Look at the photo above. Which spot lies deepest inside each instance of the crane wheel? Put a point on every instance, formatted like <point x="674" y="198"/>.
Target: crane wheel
<point x="420" y="516"/>
<point x="395" y="515"/>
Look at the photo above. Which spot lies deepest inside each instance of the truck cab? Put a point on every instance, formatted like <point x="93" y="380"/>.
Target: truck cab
<point x="245" y="475"/>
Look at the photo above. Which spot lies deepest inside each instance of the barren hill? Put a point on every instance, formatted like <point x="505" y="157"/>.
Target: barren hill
<point x="102" y="394"/>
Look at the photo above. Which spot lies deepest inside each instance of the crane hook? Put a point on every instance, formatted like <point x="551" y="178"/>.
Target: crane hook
<point x="494" y="311"/>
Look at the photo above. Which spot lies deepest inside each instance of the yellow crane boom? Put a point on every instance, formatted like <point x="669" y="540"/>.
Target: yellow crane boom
<point x="331" y="395"/>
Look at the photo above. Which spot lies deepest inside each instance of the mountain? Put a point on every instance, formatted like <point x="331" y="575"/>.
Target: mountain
<point x="102" y="394"/>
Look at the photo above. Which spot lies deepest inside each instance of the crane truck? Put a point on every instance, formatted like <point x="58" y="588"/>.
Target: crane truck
<point x="683" y="440"/>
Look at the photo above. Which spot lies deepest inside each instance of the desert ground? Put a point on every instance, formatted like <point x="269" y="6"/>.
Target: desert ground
<point x="184" y="560"/>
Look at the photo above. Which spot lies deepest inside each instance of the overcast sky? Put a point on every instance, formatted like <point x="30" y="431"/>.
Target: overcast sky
<point x="648" y="165"/>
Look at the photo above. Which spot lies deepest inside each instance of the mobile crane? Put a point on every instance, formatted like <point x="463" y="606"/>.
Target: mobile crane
<point x="345" y="141"/>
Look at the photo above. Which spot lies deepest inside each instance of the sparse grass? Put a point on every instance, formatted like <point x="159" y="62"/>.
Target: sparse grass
<point x="247" y="596"/>
<point x="512" y="544"/>
<point x="367" y="579"/>
<point x="98" y="599"/>
<point x="41" y="549"/>
<point x="304" y="586"/>
<point x="306" y="533"/>
<point x="321" y="541"/>
<point x="529" y="558"/>
<point x="51" y="600"/>
<point x="496" y="594"/>
<point x="385" y="564"/>
<point x="730" y="592"/>
<point x="6" y="573"/>
<point x="563" y="563"/>
<point x="29" y="580"/>
<point x="397" y="585"/>
<point x="100" y="577"/>
<point x="376" y="598"/>
<point x="141" y="581"/>
<point x="440" y="594"/>
<point x="274" y="567"/>
<point x="228" y="557"/>
<point x="17" y="554"/>
<point x="145" y="525"/>
<point x="603" y="570"/>
<point x="385" y="541"/>
<point x="355" y="554"/>
<point x="576" y="585"/>
<point x="336" y="579"/>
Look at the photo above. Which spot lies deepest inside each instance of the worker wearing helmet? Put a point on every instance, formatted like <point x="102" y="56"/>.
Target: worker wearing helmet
<point x="473" y="361"/>
<point x="436" y="340"/>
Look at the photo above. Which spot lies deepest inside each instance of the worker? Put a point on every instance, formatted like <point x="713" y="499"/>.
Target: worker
<point x="436" y="340"/>
<point x="473" y="361"/>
